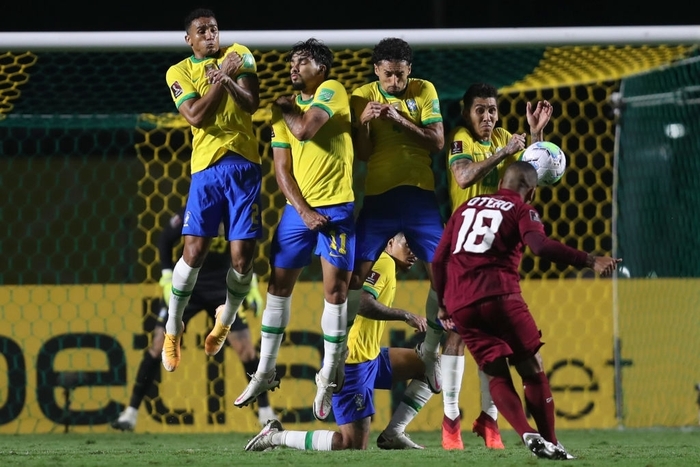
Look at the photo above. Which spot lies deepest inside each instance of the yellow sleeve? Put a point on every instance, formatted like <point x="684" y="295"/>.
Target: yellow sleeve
<point x="280" y="138"/>
<point x="331" y="97"/>
<point x="380" y="276"/>
<point x="249" y="67"/>
<point x="430" y="104"/>
<point x="459" y="146"/>
<point x="180" y="84"/>
<point x="358" y="102"/>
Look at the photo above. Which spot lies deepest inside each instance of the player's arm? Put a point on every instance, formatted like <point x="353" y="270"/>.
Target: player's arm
<point x="538" y="118"/>
<point x="468" y="172"/>
<point x="430" y="137"/>
<point x="361" y="133"/>
<point x="440" y="259"/>
<point x="245" y="90"/>
<point x="302" y="125"/>
<point x="371" y="308"/>
<point x="198" y="110"/>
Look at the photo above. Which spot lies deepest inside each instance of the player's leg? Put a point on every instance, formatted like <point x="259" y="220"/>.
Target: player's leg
<point x="242" y="227"/>
<point x="452" y="363"/>
<point x="486" y="425"/>
<point x="290" y="251"/>
<point x="400" y="365"/>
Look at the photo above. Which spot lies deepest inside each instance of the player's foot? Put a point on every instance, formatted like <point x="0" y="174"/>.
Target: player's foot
<point x="452" y="433"/>
<point x="170" y="354"/>
<point x="433" y="371"/>
<point x="265" y="414"/>
<point x="568" y="456"/>
<point x="399" y="441"/>
<point x="263" y="440"/>
<point x="543" y="448"/>
<point x="259" y="383"/>
<point x="126" y="420"/>
<point x="324" y="394"/>
<point x="487" y="428"/>
<point x="217" y="337"/>
<point x="340" y="373"/>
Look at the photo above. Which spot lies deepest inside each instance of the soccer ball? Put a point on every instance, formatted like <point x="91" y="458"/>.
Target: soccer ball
<point x="549" y="161"/>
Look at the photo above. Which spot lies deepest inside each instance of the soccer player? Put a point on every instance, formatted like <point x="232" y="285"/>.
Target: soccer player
<point x="368" y="367"/>
<point x="476" y="273"/>
<point x="207" y="295"/>
<point x="313" y="157"/>
<point x="397" y="125"/>
<point x="216" y="91"/>
<point x="477" y="155"/>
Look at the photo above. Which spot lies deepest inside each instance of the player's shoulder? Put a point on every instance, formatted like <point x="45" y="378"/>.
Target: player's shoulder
<point x="365" y="90"/>
<point x="235" y="47"/>
<point x="500" y="134"/>
<point x="419" y="86"/>
<point x="333" y="84"/>
<point x="182" y="65"/>
<point x="460" y="133"/>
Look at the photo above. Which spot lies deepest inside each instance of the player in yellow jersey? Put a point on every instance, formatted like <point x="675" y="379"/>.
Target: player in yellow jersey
<point x="397" y="124"/>
<point x="478" y="154"/>
<point x="369" y="366"/>
<point x="216" y="91"/>
<point x="313" y="157"/>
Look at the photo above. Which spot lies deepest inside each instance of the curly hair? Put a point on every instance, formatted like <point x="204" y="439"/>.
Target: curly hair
<point x="316" y="51"/>
<point x="392" y="49"/>
<point x="480" y="90"/>
<point x="198" y="13"/>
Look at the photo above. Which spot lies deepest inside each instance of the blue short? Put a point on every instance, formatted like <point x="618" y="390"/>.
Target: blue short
<point x="228" y="192"/>
<point x="407" y="209"/>
<point x="356" y="400"/>
<point x="293" y="242"/>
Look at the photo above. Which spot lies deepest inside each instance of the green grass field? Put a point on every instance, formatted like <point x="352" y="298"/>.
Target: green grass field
<point x="620" y="448"/>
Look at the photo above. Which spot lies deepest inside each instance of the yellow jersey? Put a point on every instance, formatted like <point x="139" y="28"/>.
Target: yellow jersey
<point x="462" y="145"/>
<point x="366" y="334"/>
<point x="230" y="128"/>
<point x="397" y="160"/>
<point x="322" y="166"/>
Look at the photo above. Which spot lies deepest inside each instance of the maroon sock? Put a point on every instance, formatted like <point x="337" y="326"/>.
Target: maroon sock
<point x="509" y="405"/>
<point x="540" y="404"/>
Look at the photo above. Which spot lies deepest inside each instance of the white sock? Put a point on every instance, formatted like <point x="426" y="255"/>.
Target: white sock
<point x="334" y="322"/>
<point x="415" y="397"/>
<point x="435" y="332"/>
<point x="184" y="279"/>
<point x="237" y="287"/>
<point x="274" y="320"/>
<point x="452" y="374"/>
<point x="487" y="404"/>
<point x="319" y="440"/>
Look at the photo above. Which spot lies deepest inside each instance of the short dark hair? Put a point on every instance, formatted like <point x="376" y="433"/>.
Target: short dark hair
<point x="198" y="13"/>
<point x="392" y="49"/>
<point x="315" y="50"/>
<point x="480" y="90"/>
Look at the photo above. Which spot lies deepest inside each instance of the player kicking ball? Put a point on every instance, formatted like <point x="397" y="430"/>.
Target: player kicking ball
<point x="368" y="367"/>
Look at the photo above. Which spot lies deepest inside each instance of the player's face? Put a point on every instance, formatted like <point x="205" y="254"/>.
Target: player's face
<point x="399" y="250"/>
<point x="305" y="72"/>
<point x="203" y="37"/>
<point x="482" y="116"/>
<point x="393" y="76"/>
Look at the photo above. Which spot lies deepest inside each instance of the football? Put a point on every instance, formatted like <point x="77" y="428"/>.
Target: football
<point x="549" y="161"/>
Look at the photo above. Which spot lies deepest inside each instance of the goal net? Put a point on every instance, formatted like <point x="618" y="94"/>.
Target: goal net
<point x="95" y="159"/>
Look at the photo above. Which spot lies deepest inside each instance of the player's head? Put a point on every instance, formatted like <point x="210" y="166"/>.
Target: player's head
<point x="202" y="32"/>
<point x="397" y="247"/>
<point x="392" y="58"/>
<point x="310" y="64"/>
<point x="520" y="176"/>
<point x="480" y="110"/>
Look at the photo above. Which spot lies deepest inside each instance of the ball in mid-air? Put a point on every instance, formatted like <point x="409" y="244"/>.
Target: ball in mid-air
<point x="549" y="161"/>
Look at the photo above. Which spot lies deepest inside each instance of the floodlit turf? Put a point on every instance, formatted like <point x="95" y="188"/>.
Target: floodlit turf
<point x="619" y="448"/>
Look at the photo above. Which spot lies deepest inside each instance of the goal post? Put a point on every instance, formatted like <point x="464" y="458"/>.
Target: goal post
<point x="94" y="158"/>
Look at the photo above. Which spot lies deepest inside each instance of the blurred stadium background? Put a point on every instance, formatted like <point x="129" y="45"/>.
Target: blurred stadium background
<point x="93" y="159"/>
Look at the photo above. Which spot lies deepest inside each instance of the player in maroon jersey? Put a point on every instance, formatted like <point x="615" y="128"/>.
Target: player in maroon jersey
<point x="476" y="273"/>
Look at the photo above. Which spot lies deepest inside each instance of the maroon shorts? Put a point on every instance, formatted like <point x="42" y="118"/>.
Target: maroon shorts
<point x="497" y="327"/>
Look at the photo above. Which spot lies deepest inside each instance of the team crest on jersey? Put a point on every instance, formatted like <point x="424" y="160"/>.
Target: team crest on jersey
<point x="176" y="89"/>
<point x="359" y="402"/>
<point x="248" y="61"/>
<point x="325" y="95"/>
<point x="457" y="148"/>
<point x="436" y="106"/>
<point x="373" y="277"/>
<point x="412" y="106"/>
<point x="534" y="216"/>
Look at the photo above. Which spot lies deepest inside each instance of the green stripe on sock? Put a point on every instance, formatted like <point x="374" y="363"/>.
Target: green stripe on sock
<point x="334" y="339"/>
<point x="236" y="294"/>
<point x="435" y="326"/>
<point x="180" y="293"/>
<point x="309" y="441"/>
<point x="272" y="330"/>
<point x="411" y="403"/>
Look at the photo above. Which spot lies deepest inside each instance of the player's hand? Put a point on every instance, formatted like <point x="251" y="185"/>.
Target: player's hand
<point x="166" y="281"/>
<point x="418" y="322"/>
<point x="372" y="110"/>
<point x="389" y="112"/>
<point x="445" y="320"/>
<point x="515" y="144"/>
<point x="538" y="118"/>
<point x="314" y="220"/>
<point x="231" y="64"/>
<point x="605" y="265"/>
<point x="218" y="77"/>
<point x="285" y="103"/>
<point x="254" y="298"/>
